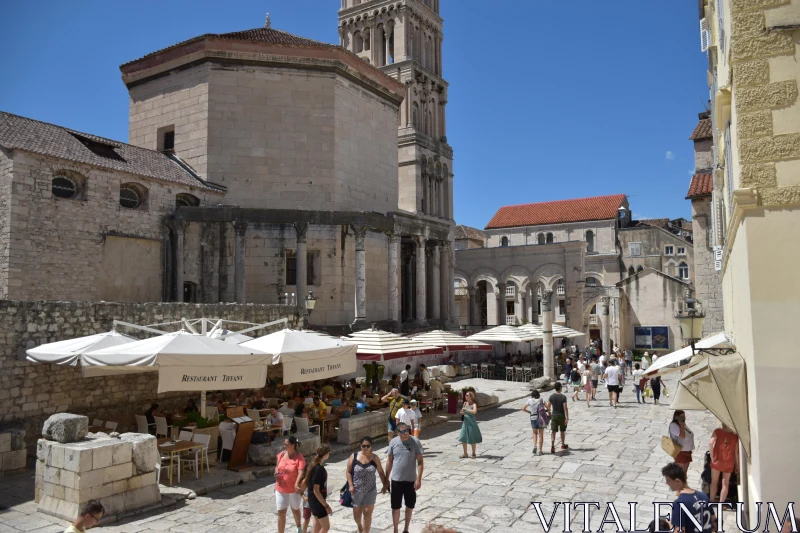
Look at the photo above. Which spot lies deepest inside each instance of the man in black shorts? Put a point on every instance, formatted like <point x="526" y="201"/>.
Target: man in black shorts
<point x="404" y="467"/>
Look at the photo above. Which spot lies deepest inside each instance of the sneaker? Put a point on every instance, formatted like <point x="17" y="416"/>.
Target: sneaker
<point x="534" y="450"/>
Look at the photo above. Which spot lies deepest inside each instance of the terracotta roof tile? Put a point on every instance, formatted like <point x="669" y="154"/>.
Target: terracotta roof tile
<point x="656" y="222"/>
<point x="556" y="212"/>
<point x="255" y="35"/>
<point x="701" y="185"/>
<point x="702" y="130"/>
<point x="28" y="135"/>
<point x="467" y="232"/>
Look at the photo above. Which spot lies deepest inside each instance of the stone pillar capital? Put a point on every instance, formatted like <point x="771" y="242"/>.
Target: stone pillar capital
<point x="547" y="296"/>
<point x="301" y="228"/>
<point x="604" y="301"/>
<point x="471" y="291"/>
<point x="177" y="225"/>
<point x="240" y="226"/>
<point x="502" y="284"/>
<point x="361" y="234"/>
<point x="393" y="237"/>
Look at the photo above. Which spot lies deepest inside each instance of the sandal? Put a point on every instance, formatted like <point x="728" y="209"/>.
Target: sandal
<point x="474" y="456"/>
<point x="463" y="456"/>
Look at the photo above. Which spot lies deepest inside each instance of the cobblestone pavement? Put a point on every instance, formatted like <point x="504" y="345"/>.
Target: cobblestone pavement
<point x="614" y="456"/>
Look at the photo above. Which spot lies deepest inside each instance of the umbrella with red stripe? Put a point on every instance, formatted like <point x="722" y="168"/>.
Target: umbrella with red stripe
<point x="377" y="345"/>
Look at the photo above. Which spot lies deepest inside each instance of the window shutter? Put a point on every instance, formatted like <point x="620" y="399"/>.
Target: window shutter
<point x="703" y="35"/>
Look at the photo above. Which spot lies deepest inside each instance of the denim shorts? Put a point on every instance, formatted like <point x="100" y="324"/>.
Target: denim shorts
<point x="535" y="423"/>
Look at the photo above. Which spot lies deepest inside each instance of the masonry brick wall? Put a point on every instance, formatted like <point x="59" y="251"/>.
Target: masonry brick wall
<point x="707" y="281"/>
<point x="6" y="180"/>
<point x="30" y="392"/>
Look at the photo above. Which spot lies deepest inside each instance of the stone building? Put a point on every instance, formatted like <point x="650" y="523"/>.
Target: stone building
<point x="262" y="166"/>
<point x="707" y="280"/>
<point x="753" y="73"/>
<point x="578" y="254"/>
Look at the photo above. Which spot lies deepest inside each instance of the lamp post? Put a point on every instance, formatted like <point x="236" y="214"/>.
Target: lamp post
<point x="691" y="320"/>
<point x="310" y="302"/>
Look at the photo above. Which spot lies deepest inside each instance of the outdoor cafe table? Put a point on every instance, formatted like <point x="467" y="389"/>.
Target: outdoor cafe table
<point x="166" y="446"/>
<point x="321" y="421"/>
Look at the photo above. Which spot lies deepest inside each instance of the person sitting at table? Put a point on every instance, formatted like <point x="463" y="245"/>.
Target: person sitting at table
<point x="274" y="417"/>
<point x="259" y="402"/>
<point x="153" y="412"/>
<point x="310" y="397"/>
<point x="287" y="409"/>
<point x="327" y="389"/>
<point x="191" y="407"/>
<point x="319" y="405"/>
<point x="337" y="400"/>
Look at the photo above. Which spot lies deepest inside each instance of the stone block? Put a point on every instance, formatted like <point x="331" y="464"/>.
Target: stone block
<point x="121" y="453"/>
<point x="352" y="429"/>
<point x="77" y="459"/>
<point x="89" y="479"/>
<point x="539" y="383"/>
<point x="65" y="427"/>
<point x="52" y="475"/>
<point x="761" y="175"/>
<point x="101" y="457"/>
<point x="772" y="95"/>
<point x="119" y="486"/>
<point x="142" y="480"/>
<point x="5" y="442"/>
<point x="115" y="473"/>
<point x="308" y="444"/>
<point x="13" y="460"/>
<point x="263" y="454"/>
<point x="56" y="456"/>
<point x="67" y="479"/>
<point x="142" y="497"/>
<point x="144" y="451"/>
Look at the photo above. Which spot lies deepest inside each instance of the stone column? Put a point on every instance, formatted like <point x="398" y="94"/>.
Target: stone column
<point x="421" y="291"/>
<point x="605" y="325"/>
<point x="436" y="277"/>
<point x="501" y="306"/>
<point x="451" y="292"/>
<point x="388" y="27"/>
<point x="534" y="305"/>
<point x="179" y="227"/>
<point x="301" y="266"/>
<point x="519" y="310"/>
<point x="491" y="307"/>
<point x="408" y="102"/>
<point x="471" y="306"/>
<point x="444" y="118"/>
<point x="361" y="276"/>
<point x="408" y="286"/>
<point x="447" y="307"/>
<point x="530" y="298"/>
<point x="394" y="277"/>
<point x="547" y="333"/>
<point x="240" y="228"/>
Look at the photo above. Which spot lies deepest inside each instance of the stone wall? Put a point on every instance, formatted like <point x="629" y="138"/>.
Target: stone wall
<point x="6" y="167"/>
<point x="707" y="281"/>
<point x="12" y="451"/>
<point x="63" y="249"/>
<point x="653" y="241"/>
<point x="31" y="392"/>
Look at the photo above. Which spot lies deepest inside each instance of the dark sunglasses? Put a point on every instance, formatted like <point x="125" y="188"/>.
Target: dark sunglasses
<point x="366" y="445"/>
<point x="402" y="431"/>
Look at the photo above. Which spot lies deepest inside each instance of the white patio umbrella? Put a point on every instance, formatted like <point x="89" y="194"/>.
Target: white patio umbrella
<point x="377" y="345"/>
<point x="184" y="362"/>
<point x="229" y="336"/>
<point x="565" y="332"/>
<point x="306" y="355"/>
<point x="452" y="342"/>
<point x="670" y="363"/>
<point x="69" y="352"/>
<point x="505" y="334"/>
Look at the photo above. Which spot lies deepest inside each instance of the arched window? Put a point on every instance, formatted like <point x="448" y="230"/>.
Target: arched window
<point x="132" y="195"/>
<point x="414" y="113"/>
<point x="504" y="242"/>
<point x="631" y="271"/>
<point x="591" y="282"/>
<point x="65" y="187"/>
<point x="683" y="271"/>
<point x="594" y="310"/>
<point x="358" y="43"/>
<point x="590" y="241"/>
<point x="540" y="238"/>
<point x="550" y="238"/>
<point x="366" y="40"/>
<point x="639" y="268"/>
<point x="186" y="200"/>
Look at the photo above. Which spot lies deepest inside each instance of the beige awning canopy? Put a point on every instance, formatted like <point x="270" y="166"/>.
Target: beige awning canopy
<point x="717" y="383"/>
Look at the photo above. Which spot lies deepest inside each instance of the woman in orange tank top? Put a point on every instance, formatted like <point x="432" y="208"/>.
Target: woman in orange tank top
<point x="724" y="460"/>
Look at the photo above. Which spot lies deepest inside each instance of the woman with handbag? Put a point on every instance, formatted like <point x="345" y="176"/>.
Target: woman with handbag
<point x="684" y="437"/>
<point x="362" y="469"/>
<point x="470" y="432"/>
<point x="724" y="446"/>
<point x="656" y="384"/>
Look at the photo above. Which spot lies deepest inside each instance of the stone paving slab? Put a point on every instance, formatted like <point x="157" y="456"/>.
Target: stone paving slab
<point x="614" y="455"/>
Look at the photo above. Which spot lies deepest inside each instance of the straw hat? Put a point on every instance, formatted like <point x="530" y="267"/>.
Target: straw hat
<point x="646" y="354"/>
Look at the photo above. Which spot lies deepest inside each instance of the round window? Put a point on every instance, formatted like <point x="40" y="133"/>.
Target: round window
<point x="64" y="187"/>
<point x="129" y="198"/>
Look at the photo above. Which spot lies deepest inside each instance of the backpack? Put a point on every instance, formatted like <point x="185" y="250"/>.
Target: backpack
<point x="345" y="498"/>
<point x="544" y="416"/>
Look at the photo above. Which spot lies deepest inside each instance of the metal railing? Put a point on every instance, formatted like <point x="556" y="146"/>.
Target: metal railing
<point x="594" y="320"/>
<point x="560" y="290"/>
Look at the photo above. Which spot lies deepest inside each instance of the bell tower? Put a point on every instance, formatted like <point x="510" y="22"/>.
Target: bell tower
<point x="404" y="39"/>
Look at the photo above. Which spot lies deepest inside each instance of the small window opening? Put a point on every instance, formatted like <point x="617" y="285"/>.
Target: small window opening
<point x="64" y="187"/>
<point x="129" y="198"/>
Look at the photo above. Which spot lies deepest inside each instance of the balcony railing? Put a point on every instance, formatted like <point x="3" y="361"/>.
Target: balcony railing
<point x="511" y="320"/>
<point x="511" y="291"/>
<point x="560" y="290"/>
<point x="461" y="291"/>
<point x="594" y="320"/>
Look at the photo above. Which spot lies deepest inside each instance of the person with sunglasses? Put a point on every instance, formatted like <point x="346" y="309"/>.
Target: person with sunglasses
<point x="289" y="465"/>
<point x="404" y="467"/>
<point x="361" y="473"/>
<point x="91" y="513"/>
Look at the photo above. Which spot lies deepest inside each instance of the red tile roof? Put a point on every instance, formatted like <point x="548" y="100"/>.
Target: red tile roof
<point x="467" y="232"/>
<point x="558" y="211"/>
<point x="256" y="35"/>
<point x="701" y="185"/>
<point x="702" y="130"/>
<point x="657" y="222"/>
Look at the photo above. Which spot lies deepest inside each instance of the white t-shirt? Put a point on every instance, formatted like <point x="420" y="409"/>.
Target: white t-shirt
<point x="418" y="414"/>
<point x="637" y="376"/>
<point x="533" y="406"/>
<point x="405" y="416"/>
<point x="612" y="376"/>
<point x="602" y="359"/>
<point x="655" y="358"/>
<point x="426" y="376"/>
<point x="687" y="442"/>
<point x="403" y="375"/>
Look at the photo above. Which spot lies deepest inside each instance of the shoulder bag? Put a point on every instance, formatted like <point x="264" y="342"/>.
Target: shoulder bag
<point x="670" y="446"/>
<point x="345" y="498"/>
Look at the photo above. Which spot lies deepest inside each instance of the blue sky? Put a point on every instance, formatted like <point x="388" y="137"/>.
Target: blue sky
<point x="546" y="101"/>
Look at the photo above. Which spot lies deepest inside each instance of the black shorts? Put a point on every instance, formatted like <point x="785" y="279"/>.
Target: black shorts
<point x="403" y="491"/>
<point x="316" y="508"/>
<point x="614" y="388"/>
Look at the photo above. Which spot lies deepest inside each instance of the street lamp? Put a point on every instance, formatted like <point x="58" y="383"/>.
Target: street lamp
<point x="691" y="321"/>
<point x="310" y="302"/>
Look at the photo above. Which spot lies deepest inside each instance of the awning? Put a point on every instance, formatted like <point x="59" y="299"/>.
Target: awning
<point x="669" y="363"/>
<point x="504" y="334"/>
<point x="305" y="355"/>
<point x="717" y="383"/>
<point x="558" y="331"/>
<point x="452" y="342"/>
<point x="69" y="352"/>
<point x="184" y="361"/>
<point x="377" y="345"/>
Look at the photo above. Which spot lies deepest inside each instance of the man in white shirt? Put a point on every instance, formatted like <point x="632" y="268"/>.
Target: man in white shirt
<point x="611" y="376"/>
<point x="287" y="410"/>
<point x="274" y="417"/>
<point x="602" y="358"/>
<point x="426" y="376"/>
<point x="655" y="358"/>
<point x="406" y="416"/>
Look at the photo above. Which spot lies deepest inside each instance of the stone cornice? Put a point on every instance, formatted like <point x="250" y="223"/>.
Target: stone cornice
<point x="330" y="59"/>
<point x="742" y="200"/>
